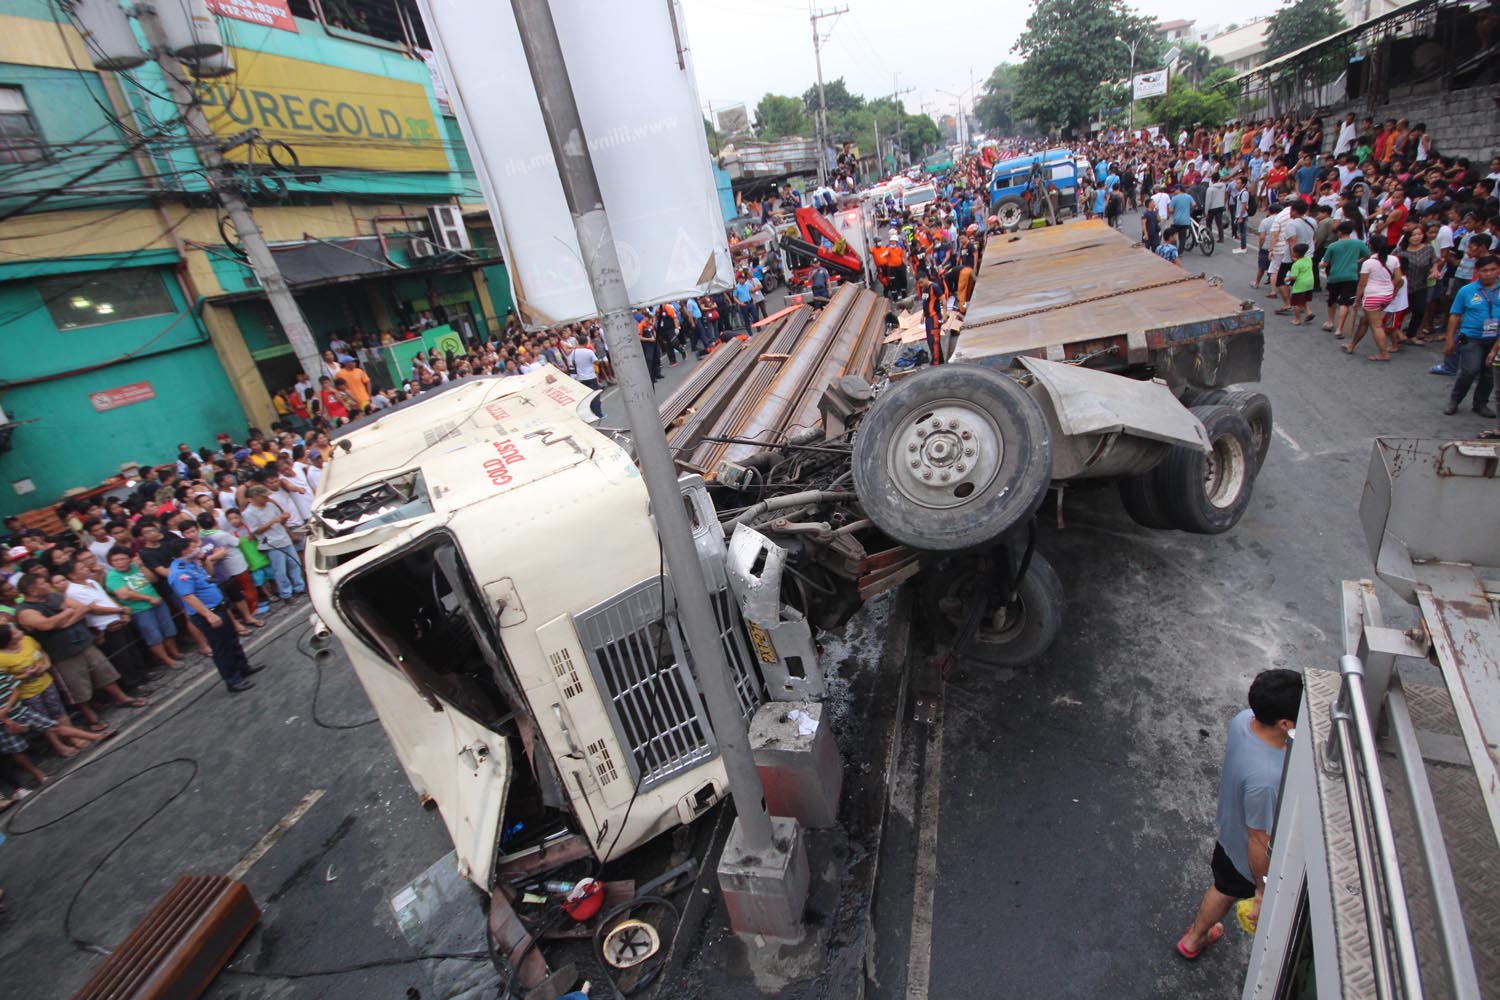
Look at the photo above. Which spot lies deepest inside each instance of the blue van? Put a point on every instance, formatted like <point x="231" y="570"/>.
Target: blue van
<point x="1011" y="182"/>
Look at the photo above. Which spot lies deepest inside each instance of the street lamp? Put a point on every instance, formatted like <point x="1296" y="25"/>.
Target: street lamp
<point x="961" y="123"/>
<point x="1130" y="126"/>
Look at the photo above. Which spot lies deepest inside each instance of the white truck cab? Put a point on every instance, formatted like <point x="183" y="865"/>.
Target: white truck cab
<point x="488" y="561"/>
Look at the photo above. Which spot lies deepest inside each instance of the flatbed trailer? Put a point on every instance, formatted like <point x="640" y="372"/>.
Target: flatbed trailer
<point x="1084" y="293"/>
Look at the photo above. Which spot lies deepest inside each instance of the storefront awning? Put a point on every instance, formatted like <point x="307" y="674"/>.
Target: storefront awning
<point x="318" y="261"/>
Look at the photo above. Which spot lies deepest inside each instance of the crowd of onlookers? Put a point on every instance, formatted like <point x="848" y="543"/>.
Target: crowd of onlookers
<point x="1365" y="225"/>
<point x="183" y="557"/>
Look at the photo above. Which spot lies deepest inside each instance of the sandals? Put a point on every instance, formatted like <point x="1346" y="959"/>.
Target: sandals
<point x="97" y="727"/>
<point x="1214" y="933"/>
<point x="1346" y="349"/>
<point x="1493" y="434"/>
<point x="128" y="703"/>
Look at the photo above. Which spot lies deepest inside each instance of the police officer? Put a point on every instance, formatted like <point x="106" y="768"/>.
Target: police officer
<point x="205" y="602"/>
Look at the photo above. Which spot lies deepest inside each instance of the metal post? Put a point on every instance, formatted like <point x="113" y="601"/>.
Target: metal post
<point x="575" y="168"/>
<point x="258" y="254"/>
<point x="822" y="115"/>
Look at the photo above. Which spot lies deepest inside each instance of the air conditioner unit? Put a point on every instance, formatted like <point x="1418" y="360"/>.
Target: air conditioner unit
<point x="448" y="227"/>
<point x="421" y="247"/>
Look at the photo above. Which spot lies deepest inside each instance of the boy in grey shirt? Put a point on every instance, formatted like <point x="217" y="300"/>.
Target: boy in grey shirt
<point x="1254" y="755"/>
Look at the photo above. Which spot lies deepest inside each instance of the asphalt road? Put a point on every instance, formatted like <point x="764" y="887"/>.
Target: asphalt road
<point x="1070" y="830"/>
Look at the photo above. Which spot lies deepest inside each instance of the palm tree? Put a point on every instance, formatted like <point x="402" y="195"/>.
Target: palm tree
<point x="1196" y="61"/>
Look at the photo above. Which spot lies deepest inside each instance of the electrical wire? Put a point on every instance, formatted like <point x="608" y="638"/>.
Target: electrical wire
<point x="13" y="829"/>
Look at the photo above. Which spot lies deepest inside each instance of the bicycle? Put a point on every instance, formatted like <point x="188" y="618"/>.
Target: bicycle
<point x="1198" y="235"/>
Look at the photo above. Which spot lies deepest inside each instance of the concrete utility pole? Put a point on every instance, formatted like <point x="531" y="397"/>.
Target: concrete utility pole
<point x="575" y="168"/>
<point x="896" y="93"/>
<point x="822" y="116"/>
<point x="261" y="261"/>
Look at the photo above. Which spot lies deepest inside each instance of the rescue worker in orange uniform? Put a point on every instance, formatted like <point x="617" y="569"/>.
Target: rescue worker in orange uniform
<point x="933" y="293"/>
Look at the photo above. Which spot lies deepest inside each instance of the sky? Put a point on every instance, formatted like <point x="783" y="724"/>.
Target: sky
<point x="743" y="49"/>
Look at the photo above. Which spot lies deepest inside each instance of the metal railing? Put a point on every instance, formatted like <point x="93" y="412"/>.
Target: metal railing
<point x="1351" y="746"/>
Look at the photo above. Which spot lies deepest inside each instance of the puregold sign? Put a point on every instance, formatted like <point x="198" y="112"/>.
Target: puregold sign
<point x="332" y="117"/>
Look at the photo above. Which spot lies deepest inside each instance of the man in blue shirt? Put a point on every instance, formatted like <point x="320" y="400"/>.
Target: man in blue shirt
<point x="819" y="279"/>
<point x="742" y="299"/>
<point x="1474" y="332"/>
<point x="206" y="607"/>
<point x="1182" y="211"/>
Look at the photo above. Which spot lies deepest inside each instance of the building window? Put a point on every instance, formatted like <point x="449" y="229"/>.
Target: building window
<point x="20" y="142"/>
<point x="79" y="300"/>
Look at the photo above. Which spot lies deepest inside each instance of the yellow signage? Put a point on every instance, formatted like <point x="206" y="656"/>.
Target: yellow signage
<point x="331" y="117"/>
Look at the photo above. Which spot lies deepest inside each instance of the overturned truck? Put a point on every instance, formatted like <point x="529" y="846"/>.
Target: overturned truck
<point x="487" y="556"/>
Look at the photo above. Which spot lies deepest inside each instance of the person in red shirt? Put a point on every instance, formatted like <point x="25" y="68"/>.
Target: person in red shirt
<point x="333" y="406"/>
<point x="1395" y="219"/>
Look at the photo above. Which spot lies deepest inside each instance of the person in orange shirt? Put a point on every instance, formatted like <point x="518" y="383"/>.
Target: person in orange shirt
<point x="356" y="382"/>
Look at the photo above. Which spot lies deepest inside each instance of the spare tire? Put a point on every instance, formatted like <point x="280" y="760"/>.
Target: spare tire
<point x="1206" y="493"/>
<point x="952" y="458"/>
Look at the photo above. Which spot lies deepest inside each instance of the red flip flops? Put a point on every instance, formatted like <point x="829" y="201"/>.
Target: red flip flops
<point x="1216" y="932"/>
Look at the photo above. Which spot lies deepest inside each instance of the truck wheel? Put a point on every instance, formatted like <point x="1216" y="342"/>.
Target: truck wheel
<point x="1207" y="493"/>
<point x="1192" y="396"/>
<point x="1014" y="635"/>
<point x="952" y="458"/>
<point x="1256" y="409"/>
<point x="1010" y="212"/>
<point x="1143" y="501"/>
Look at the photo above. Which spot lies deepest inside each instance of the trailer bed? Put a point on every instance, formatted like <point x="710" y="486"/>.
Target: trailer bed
<point x="1085" y="289"/>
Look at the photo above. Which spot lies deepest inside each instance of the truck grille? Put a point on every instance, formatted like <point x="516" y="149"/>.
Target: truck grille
<point x="737" y="651"/>
<point x="651" y="697"/>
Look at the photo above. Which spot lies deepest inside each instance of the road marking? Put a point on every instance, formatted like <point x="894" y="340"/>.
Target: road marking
<point x="1291" y="442"/>
<point x="924" y="885"/>
<point x="274" y="834"/>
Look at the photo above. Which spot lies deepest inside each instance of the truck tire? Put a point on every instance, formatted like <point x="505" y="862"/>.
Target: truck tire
<point x="1192" y="396"/>
<point x="1011" y="212"/>
<point x="952" y="458"/>
<point x="1207" y="493"/>
<point x="1256" y="409"/>
<point x="1014" y="636"/>
<point x="1143" y="501"/>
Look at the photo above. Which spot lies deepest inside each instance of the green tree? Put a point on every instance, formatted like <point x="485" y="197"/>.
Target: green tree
<point x="713" y="136"/>
<point x="1113" y="100"/>
<point x="1300" y="23"/>
<point x="1196" y="61"/>
<point x="778" y="116"/>
<point x="1220" y="81"/>
<point x="1068" y="47"/>
<point x="996" y="97"/>
<point x="1186" y="106"/>
<point x="836" y="92"/>
<point x="917" y="133"/>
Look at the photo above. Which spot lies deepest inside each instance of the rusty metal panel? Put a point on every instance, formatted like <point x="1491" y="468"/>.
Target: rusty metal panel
<point x="180" y="945"/>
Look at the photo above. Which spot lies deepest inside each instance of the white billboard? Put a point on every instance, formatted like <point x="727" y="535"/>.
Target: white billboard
<point x="642" y="121"/>
<point x="1152" y="83"/>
